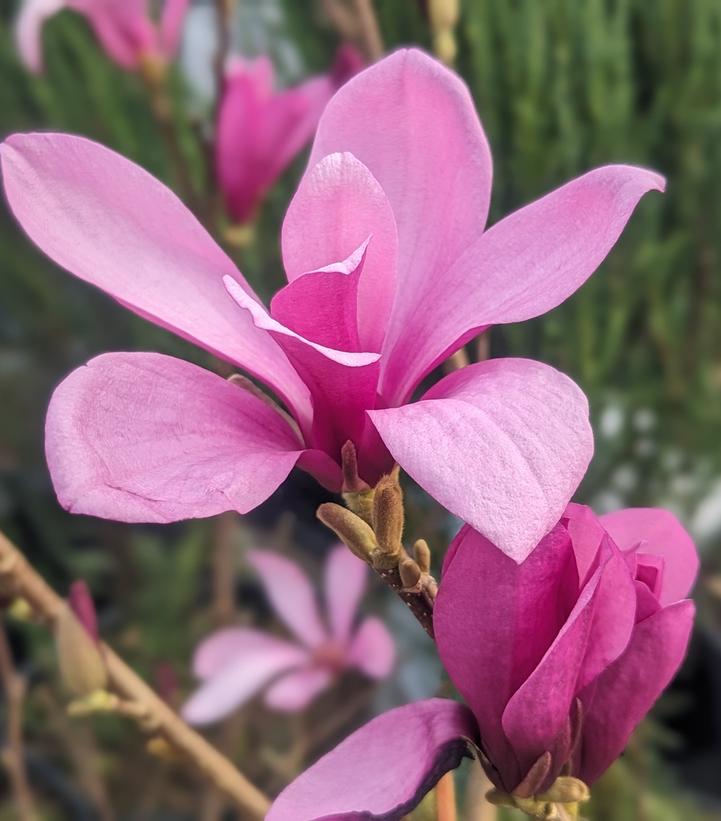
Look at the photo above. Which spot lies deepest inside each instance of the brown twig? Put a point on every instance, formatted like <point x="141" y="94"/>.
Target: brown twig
<point x="223" y="19"/>
<point x="356" y="21"/>
<point x="46" y="605"/>
<point x="370" y="32"/>
<point x="13" y="756"/>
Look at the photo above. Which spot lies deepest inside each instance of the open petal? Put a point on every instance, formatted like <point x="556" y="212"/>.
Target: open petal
<point x="587" y="534"/>
<point x="339" y="205"/>
<point x="28" y="30"/>
<point x="171" y="25"/>
<point x="625" y="692"/>
<point x="412" y="123"/>
<point x="239" y="681"/>
<point x="345" y="582"/>
<point x="372" y="650"/>
<point x="291" y="595"/>
<point x="494" y="620"/>
<point x="112" y="224"/>
<point x="143" y="437"/>
<point x="383" y="770"/>
<point x="659" y="533"/>
<point x="225" y="646"/>
<point x="295" y="691"/>
<point x="502" y="444"/>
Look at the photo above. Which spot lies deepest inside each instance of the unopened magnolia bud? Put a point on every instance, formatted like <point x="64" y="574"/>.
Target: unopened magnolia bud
<point x="352" y="483"/>
<point x="422" y="555"/>
<point x="410" y="575"/>
<point x="82" y="667"/>
<point x="388" y="519"/>
<point x="81" y="603"/>
<point x="566" y="790"/>
<point x="356" y="534"/>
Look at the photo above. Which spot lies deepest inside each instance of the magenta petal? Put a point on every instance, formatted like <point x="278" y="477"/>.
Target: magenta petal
<point x="345" y="582"/>
<point x="338" y="206"/>
<point x="587" y="534"/>
<point x="522" y="267"/>
<point x="382" y="770"/>
<point x="625" y="692"/>
<point x="501" y="444"/>
<point x="661" y="534"/>
<point x="291" y="595"/>
<point x="494" y="620"/>
<point x="225" y="646"/>
<point x="372" y="649"/>
<point x="110" y="223"/>
<point x="142" y="437"/>
<point x="171" y="25"/>
<point x="294" y="691"/>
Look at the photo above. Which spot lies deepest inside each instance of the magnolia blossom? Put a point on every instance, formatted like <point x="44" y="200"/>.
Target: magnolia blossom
<point x="260" y="131"/>
<point x="235" y="663"/>
<point x="124" y="28"/>
<point x="558" y="659"/>
<point x="389" y="272"/>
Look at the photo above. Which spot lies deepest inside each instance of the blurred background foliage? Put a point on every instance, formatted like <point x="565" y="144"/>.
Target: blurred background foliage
<point x="561" y="86"/>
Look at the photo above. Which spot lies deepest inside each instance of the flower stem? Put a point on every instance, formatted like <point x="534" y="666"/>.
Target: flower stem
<point x="20" y="579"/>
<point x="446" y="798"/>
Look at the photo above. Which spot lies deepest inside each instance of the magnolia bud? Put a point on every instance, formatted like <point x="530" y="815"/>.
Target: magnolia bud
<point x="82" y="667"/>
<point x="422" y="555"/>
<point x="410" y="575"/>
<point x="388" y="521"/>
<point x="566" y="790"/>
<point x="356" y="534"/>
<point x="356" y="493"/>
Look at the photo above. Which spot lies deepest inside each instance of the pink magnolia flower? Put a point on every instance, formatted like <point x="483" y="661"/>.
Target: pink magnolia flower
<point x="124" y="28"/>
<point x="237" y="662"/>
<point x="261" y="131"/>
<point x="558" y="659"/>
<point x="389" y="272"/>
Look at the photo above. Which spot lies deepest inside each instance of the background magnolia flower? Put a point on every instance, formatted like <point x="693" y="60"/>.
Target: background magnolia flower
<point x="124" y="28"/>
<point x="389" y="271"/>
<point x="236" y="662"/>
<point x="261" y="131"/>
<point x="558" y="658"/>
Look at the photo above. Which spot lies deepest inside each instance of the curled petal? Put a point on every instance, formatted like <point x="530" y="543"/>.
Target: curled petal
<point x="28" y="30"/>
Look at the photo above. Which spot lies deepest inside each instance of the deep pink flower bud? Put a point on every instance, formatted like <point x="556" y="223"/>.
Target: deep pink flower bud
<point x="81" y="603"/>
<point x="558" y="659"/>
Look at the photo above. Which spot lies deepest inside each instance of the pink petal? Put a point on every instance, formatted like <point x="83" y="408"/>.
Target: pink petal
<point x="295" y="691"/>
<point x="342" y="384"/>
<point x="412" y="122"/>
<point x="124" y="29"/>
<point x="28" y="30"/>
<point x="522" y="267"/>
<point x="290" y="594"/>
<point x="171" y="26"/>
<point x="345" y="582"/>
<point x="372" y="650"/>
<point x="494" y="620"/>
<point x="239" y="681"/>
<point x="382" y="770"/>
<point x="142" y="437"/>
<point x="587" y="534"/>
<point x="501" y="444"/>
<point x="595" y="634"/>
<point x="110" y="223"/>
<point x="338" y="205"/>
<point x="225" y="646"/>
<point x="661" y="534"/>
<point x="625" y="692"/>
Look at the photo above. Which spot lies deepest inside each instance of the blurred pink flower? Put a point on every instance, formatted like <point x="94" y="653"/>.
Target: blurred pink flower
<point x="558" y="658"/>
<point x="237" y="662"/>
<point x="389" y="272"/>
<point x="124" y="28"/>
<point x="261" y="131"/>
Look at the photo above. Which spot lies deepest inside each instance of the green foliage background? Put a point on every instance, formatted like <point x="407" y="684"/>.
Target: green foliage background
<point x="561" y="86"/>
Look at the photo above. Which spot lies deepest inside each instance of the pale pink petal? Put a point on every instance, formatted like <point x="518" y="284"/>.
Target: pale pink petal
<point x="502" y="444"/>
<point x="625" y="692"/>
<point x="338" y="205"/>
<point x="342" y="384"/>
<point x="345" y="582"/>
<point x="290" y="594"/>
<point x="225" y="646"/>
<point x="171" y="26"/>
<point x="295" y="691"/>
<point x="660" y="534"/>
<point x="372" y="649"/>
<point x="142" y="437"/>
<point x="239" y="681"/>
<point x="124" y="29"/>
<point x="522" y="267"/>
<point x="28" y="30"/>
<point x="412" y="123"/>
<point x="110" y="223"/>
<point x="383" y="770"/>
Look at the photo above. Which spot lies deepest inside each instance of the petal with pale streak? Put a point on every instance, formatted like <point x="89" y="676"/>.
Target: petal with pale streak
<point x="501" y="444"/>
<point x="372" y="649"/>
<point x="225" y="646"/>
<point x="383" y="770"/>
<point x="143" y="437"/>
<point x="295" y="690"/>
<point x="345" y="582"/>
